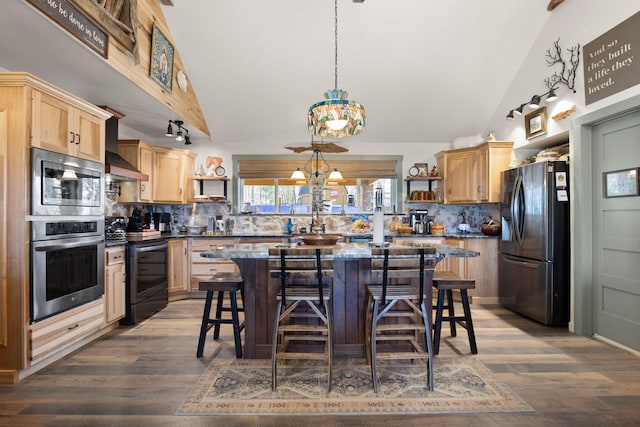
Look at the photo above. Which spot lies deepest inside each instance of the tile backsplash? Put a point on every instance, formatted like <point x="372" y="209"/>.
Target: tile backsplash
<point x="199" y="214"/>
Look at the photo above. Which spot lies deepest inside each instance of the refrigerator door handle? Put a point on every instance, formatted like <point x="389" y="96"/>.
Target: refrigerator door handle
<point x="517" y="210"/>
<point x="509" y="260"/>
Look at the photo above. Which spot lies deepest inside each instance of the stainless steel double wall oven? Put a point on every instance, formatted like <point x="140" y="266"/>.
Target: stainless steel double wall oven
<point x="67" y="232"/>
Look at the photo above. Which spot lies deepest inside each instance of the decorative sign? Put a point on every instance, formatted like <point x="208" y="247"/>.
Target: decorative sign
<point x="71" y="19"/>
<point x="612" y="62"/>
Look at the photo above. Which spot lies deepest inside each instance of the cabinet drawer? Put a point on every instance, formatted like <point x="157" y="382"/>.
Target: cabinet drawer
<point x="54" y="333"/>
<point x="208" y="270"/>
<point x="201" y="245"/>
<point x="114" y="255"/>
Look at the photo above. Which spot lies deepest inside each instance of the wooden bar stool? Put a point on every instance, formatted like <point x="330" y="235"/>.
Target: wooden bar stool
<point x="303" y="320"/>
<point x="402" y="304"/>
<point x="445" y="282"/>
<point x="230" y="282"/>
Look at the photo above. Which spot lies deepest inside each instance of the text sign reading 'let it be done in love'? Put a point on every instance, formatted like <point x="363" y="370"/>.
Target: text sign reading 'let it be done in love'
<point x="611" y="62"/>
<point x="72" y="20"/>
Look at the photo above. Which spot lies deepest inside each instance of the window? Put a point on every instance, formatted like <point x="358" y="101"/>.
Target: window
<point x="264" y="185"/>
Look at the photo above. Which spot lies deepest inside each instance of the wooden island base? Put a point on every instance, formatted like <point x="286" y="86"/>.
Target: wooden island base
<point x="349" y="291"/>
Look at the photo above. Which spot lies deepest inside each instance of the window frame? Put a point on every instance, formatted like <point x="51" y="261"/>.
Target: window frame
<point x="236" y="181"/>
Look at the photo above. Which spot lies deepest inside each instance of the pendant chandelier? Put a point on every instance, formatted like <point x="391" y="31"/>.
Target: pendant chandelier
<point x="336" y="116"/>
<point x="318" y="170"/>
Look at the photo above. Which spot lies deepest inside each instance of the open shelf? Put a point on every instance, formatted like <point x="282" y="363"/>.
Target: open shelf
<point x="429" y="180"/>
<point x="202" y="179"/>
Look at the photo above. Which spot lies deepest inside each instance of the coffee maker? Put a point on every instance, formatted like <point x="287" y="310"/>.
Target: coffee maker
<point x="421" y="221"/>
<point x="162" y="221"/>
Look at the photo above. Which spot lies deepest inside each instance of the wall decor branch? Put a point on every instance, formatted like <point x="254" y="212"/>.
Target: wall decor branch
<point x="567" y="73"/>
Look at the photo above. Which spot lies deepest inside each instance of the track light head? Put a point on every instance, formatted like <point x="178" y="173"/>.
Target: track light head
<point x="535" y="102"/>
<point x="552" y="95"/>
<point x="510" y="115"/>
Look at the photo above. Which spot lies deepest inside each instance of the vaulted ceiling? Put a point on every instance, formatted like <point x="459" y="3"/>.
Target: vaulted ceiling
<point x="425" y="70"/>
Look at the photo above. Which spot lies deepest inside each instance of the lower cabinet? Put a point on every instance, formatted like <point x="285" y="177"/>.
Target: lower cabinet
<point x="203" y="268"/>
<point x="178" y="268"/>
<point x="483" y="269"/>
<point x="115" y="274"/>
<point x="59" y="332"/>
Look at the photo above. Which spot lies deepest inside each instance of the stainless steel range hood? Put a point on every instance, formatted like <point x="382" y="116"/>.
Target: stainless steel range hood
<point x="114" y="164"/>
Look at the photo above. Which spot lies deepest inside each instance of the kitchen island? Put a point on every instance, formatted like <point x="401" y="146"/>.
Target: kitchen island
<point x="352" y="264"/>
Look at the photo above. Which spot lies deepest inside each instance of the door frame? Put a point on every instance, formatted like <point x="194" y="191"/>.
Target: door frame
<point x="581" y="177"/>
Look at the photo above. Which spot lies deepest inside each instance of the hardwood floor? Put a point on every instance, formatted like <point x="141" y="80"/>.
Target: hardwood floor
<point x="138" y="376"/>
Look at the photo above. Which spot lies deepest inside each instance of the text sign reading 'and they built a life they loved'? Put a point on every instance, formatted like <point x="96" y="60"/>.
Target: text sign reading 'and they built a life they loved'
<point x="72" y="20"/>
<point x="611" y="62"/>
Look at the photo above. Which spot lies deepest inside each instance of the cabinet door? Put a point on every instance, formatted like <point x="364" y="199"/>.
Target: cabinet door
<point x="178" y="266"/>
<point x="456" y="265"/>
<point x="145" y="166"/>
<point x="167" y="174"/>
<point x="482" y="184"/>
<point x="114" y="292"/>
<point x="52" y="124"/>
<point x="90" y="135"/>
<point x="460" y="177"/>
<point x="483" y="269"/>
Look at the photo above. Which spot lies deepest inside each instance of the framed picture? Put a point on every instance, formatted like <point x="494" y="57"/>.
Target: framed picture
<point x="161" y="59"/>
<point x="535" y="123"/>
<point x="621" y="183"/>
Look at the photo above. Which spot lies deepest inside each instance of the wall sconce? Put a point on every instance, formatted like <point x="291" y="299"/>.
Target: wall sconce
<point x="182" y="134"/>
<point x="534" y="103"/>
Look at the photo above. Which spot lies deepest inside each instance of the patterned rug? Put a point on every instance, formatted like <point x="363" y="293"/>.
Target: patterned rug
<point x="243" y="387"/>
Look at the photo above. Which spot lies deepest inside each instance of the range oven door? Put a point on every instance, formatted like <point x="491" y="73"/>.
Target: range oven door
<point x="67" y="270"/>
<point x="65" y="185"/>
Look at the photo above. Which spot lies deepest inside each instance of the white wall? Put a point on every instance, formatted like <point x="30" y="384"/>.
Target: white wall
<point x="573" y="22"/>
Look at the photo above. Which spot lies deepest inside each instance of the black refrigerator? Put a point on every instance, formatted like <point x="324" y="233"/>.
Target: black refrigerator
<point x="534" y="246"/>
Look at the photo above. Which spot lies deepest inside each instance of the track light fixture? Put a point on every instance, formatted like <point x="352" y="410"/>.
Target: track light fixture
<point x="182" y="134"/>
<point x="534" y="103"/>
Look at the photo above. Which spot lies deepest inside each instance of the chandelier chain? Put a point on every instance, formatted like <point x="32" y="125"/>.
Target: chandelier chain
<point x="336" y="43"/>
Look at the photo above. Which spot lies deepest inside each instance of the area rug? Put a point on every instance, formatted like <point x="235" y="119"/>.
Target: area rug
<point x="243" y="387"/>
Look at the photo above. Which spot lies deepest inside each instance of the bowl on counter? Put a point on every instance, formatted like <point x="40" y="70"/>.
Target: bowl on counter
<point x="196" y="230"/>
<point x="320" y="239"/>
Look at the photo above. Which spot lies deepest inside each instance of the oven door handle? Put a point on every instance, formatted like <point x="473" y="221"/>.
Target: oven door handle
<point x="70" y="245"/>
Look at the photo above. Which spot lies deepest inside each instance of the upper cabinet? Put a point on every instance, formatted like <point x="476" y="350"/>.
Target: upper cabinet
<point x="63" y="126"/>
<point x="169" y="171"/>
<point x="472" y="175"/>
<point x="140" y="155"/>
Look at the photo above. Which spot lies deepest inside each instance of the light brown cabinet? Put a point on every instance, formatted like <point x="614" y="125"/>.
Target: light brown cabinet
<point x="64" y="128"/>
<point x="139" y="154"/>
<point x="178" y="266"/>
<point x="169" y="171"/>
<point x="36" y="113"/>
<point x="55" y="334"/>
<point x="483" y="269"/>
<point x="114" y="284"/>
<point x="203" y="268"/>
<point x="472" y="175"/>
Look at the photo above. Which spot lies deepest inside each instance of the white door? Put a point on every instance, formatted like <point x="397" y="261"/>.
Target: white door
<point x="616" y="233"/>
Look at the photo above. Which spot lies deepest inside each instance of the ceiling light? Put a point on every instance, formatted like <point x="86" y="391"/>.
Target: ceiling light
<point x="510" y="115"/>
<point x="335" y="175"/>
<point x="298" y="174"/>
<point x="518" y="110"/>
<point x="535" y="102"/>
<point x="336" y="116"/>
<point x="182" y="133"/>
<point x="552" y="95"/>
